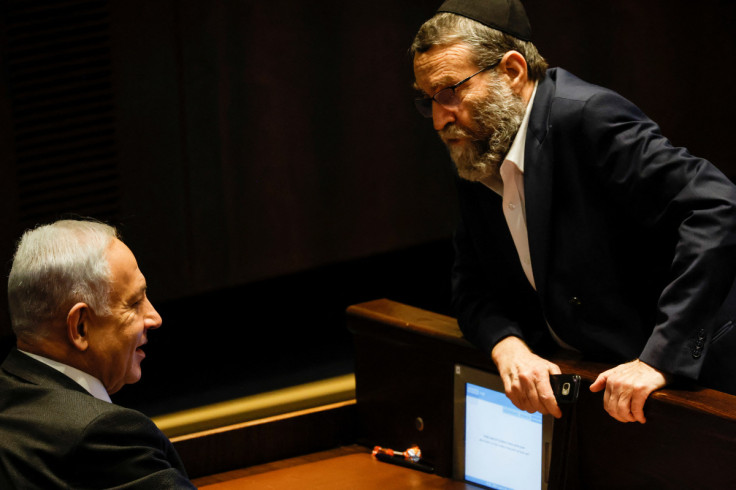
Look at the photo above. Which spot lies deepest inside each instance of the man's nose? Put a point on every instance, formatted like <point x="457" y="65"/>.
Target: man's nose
<point x="153" y="319"/>
<point x="441" y="116"/>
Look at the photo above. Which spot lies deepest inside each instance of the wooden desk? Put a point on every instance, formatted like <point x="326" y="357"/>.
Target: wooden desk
<point x="347" y="468"/>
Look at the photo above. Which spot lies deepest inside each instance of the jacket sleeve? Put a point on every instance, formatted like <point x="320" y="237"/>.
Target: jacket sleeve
<point x="661" y="187"/>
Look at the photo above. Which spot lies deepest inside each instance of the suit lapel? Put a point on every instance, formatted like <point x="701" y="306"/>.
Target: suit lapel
<point x="538" y="174"/>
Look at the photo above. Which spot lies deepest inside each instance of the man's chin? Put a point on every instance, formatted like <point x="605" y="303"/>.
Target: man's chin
<point x="468" y="159"/>
<point x="472" y="174"/>
<point x="474" y="170"/>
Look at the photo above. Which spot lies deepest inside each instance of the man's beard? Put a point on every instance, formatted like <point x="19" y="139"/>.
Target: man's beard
<point x="496" y="118"/>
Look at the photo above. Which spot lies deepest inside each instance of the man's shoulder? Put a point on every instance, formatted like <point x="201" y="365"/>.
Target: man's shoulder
<point x="67" y="408"/>
<point x="566" y="101"/>
<point x="565" y="85"/>
<point x="33" y="390"/>
<point x="51" y="434"/>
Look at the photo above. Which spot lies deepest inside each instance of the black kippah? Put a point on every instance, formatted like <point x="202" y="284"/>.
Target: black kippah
<point x="507" y="16"/>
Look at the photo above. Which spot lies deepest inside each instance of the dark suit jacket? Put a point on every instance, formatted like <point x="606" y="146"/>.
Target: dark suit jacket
<point x="53" y="434"/>
<point x="632" y="241"/>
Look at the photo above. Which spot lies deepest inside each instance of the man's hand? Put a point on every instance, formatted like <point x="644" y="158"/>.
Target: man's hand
<point x="627" y="388"/>
<point x="526" y="377"/>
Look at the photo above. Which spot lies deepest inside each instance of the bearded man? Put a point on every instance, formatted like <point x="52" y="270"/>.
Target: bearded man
<point x="582" y="227"/>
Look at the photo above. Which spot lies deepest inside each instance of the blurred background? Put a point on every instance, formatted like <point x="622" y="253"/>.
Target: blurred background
<point x="265" y="163"/>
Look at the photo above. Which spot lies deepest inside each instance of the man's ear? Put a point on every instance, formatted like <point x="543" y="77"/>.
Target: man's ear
<point x="77" y="326"/>
<point x="514" y="66"/>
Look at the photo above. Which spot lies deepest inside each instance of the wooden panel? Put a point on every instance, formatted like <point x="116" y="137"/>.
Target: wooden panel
<point x="271" y="439"/>
<point x="404" y="359"/>
<point x="58" y="64"/>
<point x="678" y="447"/>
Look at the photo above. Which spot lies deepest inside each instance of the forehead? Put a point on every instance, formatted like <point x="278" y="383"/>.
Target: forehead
<point x="442" y="66"/>
<point x="124" y="272"/>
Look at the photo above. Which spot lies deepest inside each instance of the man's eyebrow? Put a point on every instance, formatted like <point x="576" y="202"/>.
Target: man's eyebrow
<point x="141" y="291"/>
<point x="444" y="82"/>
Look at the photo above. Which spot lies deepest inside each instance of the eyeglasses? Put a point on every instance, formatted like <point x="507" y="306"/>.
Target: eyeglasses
<point x="445" y="97"/>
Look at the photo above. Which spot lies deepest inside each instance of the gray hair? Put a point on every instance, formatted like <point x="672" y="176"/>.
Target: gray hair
<point x="56" y="266"/>
<point x="488" y="45"/>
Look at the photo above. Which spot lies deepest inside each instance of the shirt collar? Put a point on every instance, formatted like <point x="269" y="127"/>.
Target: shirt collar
<point x="516" y="152"/>
<point x="93" y="385"/>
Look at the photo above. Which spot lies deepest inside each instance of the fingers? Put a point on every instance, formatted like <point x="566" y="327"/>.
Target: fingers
<point x="618" y="404"/>
<point x="637" y="405"/>
<point x="615" y="402"/>
<point x="519" y="394"/>
<point x="532" y="392"/>
<point x="545" y="393"/>
<point x="526" y="376"/>
<point x="627" y="388"/>
<point x="547" y="399"/>
<point x="599" y="383"/>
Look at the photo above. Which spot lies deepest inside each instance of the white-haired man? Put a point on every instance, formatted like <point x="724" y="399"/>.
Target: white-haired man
<point x="81" y="316"/>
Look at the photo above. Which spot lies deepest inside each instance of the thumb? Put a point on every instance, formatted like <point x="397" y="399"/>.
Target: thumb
<point x="599" y="383"/>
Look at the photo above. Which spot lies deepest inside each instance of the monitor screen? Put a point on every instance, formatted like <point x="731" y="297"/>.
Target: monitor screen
<point x="497" y="445"/>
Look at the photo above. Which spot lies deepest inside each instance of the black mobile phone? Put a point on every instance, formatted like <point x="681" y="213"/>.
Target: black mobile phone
<point x="566" y="387"/>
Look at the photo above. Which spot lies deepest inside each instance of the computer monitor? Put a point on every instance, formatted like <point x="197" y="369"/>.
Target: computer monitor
<point x="496" y="445"/>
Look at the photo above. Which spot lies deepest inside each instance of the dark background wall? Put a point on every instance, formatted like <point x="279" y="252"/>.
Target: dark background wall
<point x="264" y="161"/>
